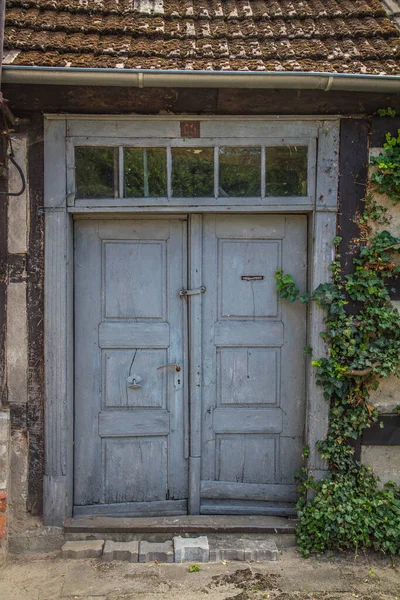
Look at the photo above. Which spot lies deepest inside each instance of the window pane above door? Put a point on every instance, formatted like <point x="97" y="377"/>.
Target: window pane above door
<point x="192" y="172"/>
<point x="239" y="172"/>
<point x="95" y="172"/>
<point x="286" y="170"/>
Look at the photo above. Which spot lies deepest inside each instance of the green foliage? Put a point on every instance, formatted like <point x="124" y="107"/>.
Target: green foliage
<point x="348" y="510"/>
<point x="387" y="112"/>
<point x="194" y="568"/>
<point x="387" y="176"/>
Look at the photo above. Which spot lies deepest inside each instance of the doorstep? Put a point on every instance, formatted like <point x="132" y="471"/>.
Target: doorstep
<point x="201" y="524"/>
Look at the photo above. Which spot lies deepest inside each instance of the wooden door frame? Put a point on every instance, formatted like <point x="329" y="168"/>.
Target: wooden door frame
<point x="59" y="212"/>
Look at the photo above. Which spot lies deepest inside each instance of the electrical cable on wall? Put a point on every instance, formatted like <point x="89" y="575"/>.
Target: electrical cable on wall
<point x="11" y="155"/>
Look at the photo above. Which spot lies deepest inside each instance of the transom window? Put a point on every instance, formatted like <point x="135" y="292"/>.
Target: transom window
<point x="198" y="170"/>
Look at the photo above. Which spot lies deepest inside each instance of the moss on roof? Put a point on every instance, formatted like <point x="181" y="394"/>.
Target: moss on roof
<point x="338" y="36"/>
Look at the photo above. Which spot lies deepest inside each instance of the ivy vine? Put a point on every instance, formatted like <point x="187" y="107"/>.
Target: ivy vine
<point x="387" y="175"/>
<point x="349" y="508"/>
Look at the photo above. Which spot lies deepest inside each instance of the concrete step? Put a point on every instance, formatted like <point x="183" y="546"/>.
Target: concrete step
<point x="163" y="528"/>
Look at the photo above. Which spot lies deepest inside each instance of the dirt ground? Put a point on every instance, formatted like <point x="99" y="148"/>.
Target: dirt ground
<point x="344" y="577"/>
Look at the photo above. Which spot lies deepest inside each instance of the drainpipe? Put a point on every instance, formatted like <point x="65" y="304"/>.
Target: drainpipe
<point x="142" y="78"/>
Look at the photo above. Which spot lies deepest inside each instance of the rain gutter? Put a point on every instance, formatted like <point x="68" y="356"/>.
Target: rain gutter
<point x="141" y="78"/>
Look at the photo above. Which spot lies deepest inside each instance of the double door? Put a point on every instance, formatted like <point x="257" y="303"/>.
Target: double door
<point x="171" y="376"/>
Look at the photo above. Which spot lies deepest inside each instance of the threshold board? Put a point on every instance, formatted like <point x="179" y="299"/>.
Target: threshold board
<point x="182" y="525"/>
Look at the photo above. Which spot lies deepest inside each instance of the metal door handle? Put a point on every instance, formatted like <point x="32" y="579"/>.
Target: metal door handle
<point x="177" y="367"/>
<point x="133" y="381"/>
<point x="185" y="293"/>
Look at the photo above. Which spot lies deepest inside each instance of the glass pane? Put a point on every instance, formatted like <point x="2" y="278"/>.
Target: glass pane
<point x="239" y="172"/>
<point x="192" y="172"/>
<point x="145" y="172"/>
<point x="95" y="172"/>
<point x="286" y="171"/>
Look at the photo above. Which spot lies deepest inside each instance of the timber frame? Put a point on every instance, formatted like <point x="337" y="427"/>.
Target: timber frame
<point x="60" y="210"/>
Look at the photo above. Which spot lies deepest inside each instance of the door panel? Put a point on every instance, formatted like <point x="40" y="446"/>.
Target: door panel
<point x="253" y="364"/>
<point x="129" y="413"/>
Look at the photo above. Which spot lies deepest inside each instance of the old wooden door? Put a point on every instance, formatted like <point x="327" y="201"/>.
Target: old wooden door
<point x="253" y="364"/>
<point x="129" y="393"/>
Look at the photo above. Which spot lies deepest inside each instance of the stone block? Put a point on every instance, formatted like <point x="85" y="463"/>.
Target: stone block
<point x="243" y="549"/>
<point x="88" y="549"/>
<point x="36" y="541"/>
<point x="128" y="551"/>
<point x="4" y="427"/>
<point x="153" y="551"/>
<point x="385" y="461"/>
<point x="3" y="466"/>
<point x="17" y="344"/>
<point x="191" y="549"/>
<point x="18" y="209"/>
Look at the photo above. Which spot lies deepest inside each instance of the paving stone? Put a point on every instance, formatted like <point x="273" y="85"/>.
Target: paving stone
<point x="191" y="549"/>
<point x="86" y="549"/>
<point x="243" y="549"/>
<point x="153" y="551"/>
<point x="121" y="551"/>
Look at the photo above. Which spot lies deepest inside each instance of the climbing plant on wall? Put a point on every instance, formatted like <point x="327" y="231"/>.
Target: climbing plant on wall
<point x="348" y="509"/>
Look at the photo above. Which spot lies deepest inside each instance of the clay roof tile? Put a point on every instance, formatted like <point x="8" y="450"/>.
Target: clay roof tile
<point x="311" y="35"/>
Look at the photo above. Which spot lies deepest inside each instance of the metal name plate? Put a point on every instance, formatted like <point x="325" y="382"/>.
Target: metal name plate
<point x="252" y="277"/>
<point x="190" y="129"/>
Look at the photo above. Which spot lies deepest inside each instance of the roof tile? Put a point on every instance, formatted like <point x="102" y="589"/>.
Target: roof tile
<point x="348" y="36"/>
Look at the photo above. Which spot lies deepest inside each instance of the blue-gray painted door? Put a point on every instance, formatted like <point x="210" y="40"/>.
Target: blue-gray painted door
<point x="131" y="438"/>
<point x="129" y="412"/>
<point x="253" y="364"/>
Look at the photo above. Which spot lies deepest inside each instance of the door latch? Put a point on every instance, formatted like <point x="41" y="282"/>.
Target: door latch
<point x="185" y="293"/>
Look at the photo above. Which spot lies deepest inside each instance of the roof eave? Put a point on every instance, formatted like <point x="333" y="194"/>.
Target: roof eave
<point x="141" y="78"/>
